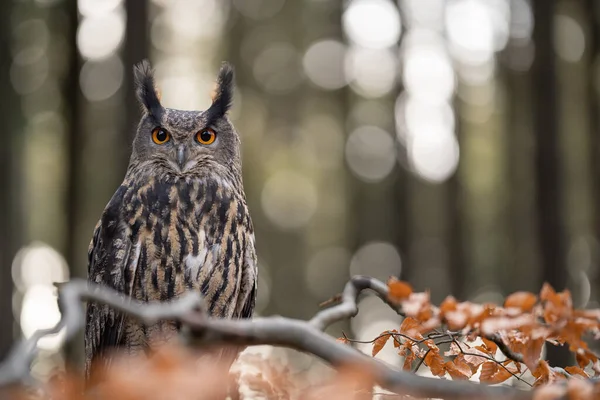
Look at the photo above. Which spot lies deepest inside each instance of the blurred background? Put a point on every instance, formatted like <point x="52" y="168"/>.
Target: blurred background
<point x="452" y="143"/>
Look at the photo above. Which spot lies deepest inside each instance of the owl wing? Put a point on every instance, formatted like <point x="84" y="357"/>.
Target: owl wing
<point x="111" y="256"/>
<point x="249" y="279"/>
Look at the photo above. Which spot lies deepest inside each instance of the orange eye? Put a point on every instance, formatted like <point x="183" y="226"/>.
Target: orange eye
<point x="160" y="136"/>
<point x="206" y="136"/>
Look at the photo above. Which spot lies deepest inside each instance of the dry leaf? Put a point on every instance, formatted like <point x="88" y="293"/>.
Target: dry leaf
<point x="380" y="342"/>
<point x="435" y="362"/>
<point x="523" y="300"/>
<point x="398" y="290"/>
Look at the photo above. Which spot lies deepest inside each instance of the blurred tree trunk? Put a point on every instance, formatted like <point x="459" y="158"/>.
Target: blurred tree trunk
<point x="592" y="10"/>
<point x="73" y="118"/>
<point x="549" y="195"/>
<point x="135" y="50"/>
<point x="455" y="239"/>
<point x="74" y="349"/>
<point x="9" y="227"/>
<point x="523" y="267"/>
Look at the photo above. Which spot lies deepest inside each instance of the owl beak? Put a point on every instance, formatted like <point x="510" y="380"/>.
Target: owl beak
<point x="181" y="156"/>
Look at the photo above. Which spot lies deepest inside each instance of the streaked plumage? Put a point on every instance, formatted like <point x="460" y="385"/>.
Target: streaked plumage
<point x="178" y="222"/>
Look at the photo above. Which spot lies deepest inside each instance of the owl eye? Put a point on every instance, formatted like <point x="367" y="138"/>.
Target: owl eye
<point x="206" y="136"/>
<point x="160" y="136"/>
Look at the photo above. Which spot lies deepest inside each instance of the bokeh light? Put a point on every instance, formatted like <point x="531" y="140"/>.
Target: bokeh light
<point x="371" y="72"/>
<point x="477" y="28"/>
<point x="197" y="19"/>
<point x="372" y="23"/>
<point x="370" y="153"/>
<point x="380" y="260"/>
<point x="94" y="8"/>
<point x="40" y="311"/>
<point x="101" y="35"/>
<point x="35" y="270"/>
<point x="38" y="264"/>
<point x="569" y="38"/>
<point x="324" y="64"/>
<point x="428" y="72"/>
<point x="434" y="154"/>
<point x="100" y="80"/>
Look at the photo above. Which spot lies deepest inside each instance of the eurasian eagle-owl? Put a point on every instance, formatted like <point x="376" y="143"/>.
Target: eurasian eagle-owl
<point x="179" y="222"/>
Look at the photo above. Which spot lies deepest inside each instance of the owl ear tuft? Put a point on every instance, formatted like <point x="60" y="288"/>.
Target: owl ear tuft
<point x="145" y="89"/>
<point x="222" y="97"/>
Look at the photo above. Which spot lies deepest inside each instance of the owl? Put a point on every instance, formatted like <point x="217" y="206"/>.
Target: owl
<point x="179" y="222"/>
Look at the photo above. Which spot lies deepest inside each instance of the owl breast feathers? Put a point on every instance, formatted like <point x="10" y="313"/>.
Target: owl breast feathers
<point x="179" y="222"/>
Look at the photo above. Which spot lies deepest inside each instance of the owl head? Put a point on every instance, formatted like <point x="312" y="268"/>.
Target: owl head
<point x="182" y="143"/>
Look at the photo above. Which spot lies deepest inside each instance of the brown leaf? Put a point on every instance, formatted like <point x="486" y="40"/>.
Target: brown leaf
<point x="490" y="346"/>
<point x="528" y="347"/>
<point x="398" y="290"/>
<point x="523" y="300"/>
<point x="408" y="360"/>
<point x="547" y="293"/>
<point x="488" y="370"/>
<point x="417" y="305"/>
<point x="449" y="304"/>
<point x="500" y="376"/>
<point x="545" y="375"/>
<point x="582" y="359"/>
<point x="456" y="319"/>
<point x="459" y="372"/>
<point x="574" y="370"/>
<point x="411" y="327"/>
<point x="380" y="342"/>
<point x="495" y="324"/>
<point x="435" y="362"/>
<point x="472" y="356"/>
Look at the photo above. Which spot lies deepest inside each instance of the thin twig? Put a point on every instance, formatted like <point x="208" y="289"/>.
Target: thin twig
<point x="490" y="358"/>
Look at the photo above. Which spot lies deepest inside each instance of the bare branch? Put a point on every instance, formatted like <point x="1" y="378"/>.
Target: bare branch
<point x="517" y="357"/>
<point x="348" y="308"/>
<point x="201" y="329"/>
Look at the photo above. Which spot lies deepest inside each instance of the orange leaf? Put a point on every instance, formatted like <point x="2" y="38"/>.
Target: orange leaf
<point x="500" y="376"/>
<point x="411" y="327"/>
<point x="431" y="344"/>
<point x="417" y="305"/>
<point x="449" y="304"/>
<point x="523" y="300"/>
<point x="474" y="358"/>
<point x="435" y="362"/>
<point x="398" y="290"/>
<point x="533" y="351"/>
<point x="488" y="369"/>
<point x="456" y="319"/>
<point x="458" y="372"/>
<point x="547" y="293"/>
<point x="408" y="360"/>
<point x="577" y="371"/>
<point x="491" y="346"/>
<point x="545" y="375"/>
<point x="380" y="342"/>
<point x="582" y="359"/>
<point x="495" y="324"/>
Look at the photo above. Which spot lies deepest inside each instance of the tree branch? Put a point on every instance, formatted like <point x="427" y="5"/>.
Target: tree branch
<point x="304" y="336"/>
